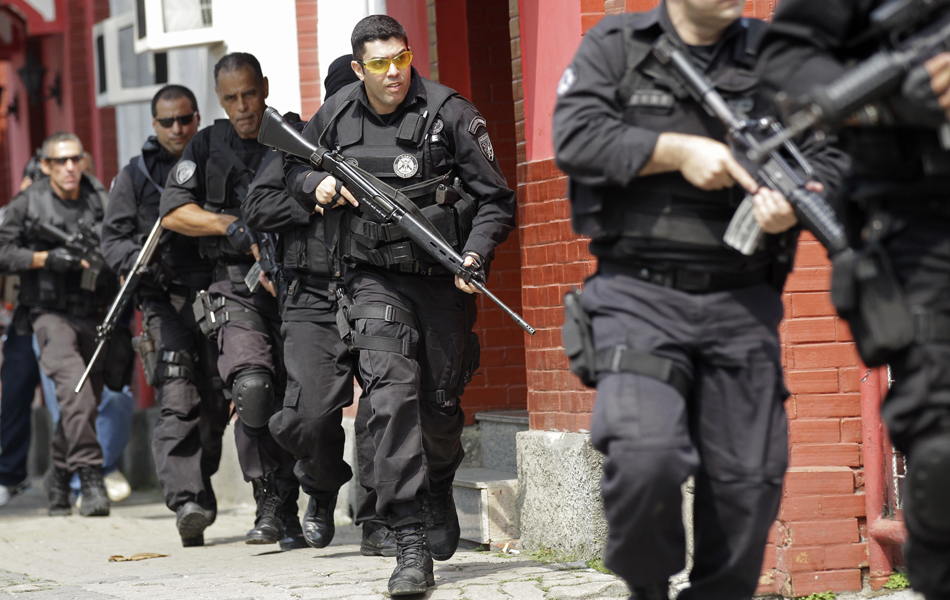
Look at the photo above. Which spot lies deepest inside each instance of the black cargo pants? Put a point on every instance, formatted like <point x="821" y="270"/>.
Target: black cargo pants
<point x="416" y="440"/>
<point x="918" y="404"/>
<point x="186" y="444"/>
<point x="731" y="434"/>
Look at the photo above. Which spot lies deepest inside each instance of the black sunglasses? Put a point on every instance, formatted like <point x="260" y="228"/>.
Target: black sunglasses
<point x="62" y="160"/>
<point x="183" y="120"/>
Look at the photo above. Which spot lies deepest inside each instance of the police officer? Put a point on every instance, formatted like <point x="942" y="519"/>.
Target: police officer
<point x="194" y="412"/>
<point x="897" y="198"/>
<point x="203" y="199"/>
<point x="411" y="325"/>
<point x="320" y="367"/>
<point x="64" y="304"/>
<point x="684" y="328"/>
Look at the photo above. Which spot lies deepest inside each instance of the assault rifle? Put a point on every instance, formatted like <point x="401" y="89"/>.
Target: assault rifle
<point x="84" y="244"/>
<point x="826" y="107"/>
<point x="378" y="200"/>
<point x="773" y="170"/>
<point x="267" y="247"/>
<point x="124" y="297"/>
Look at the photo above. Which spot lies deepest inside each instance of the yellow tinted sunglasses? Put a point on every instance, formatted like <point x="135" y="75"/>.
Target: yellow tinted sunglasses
<point x="381" y="65"/>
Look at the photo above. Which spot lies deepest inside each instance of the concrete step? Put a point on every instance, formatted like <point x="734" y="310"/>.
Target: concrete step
<point x="487" y="505"/>
<point x="497" y="430"/>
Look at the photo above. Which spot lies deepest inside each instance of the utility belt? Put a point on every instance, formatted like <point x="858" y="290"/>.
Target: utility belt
<point x="212" y="312"/>
<point x="686" y="280"/>
<point x="590" y="364"/>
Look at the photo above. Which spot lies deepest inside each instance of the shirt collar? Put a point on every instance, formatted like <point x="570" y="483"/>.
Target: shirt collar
<point x="659" y="17"/>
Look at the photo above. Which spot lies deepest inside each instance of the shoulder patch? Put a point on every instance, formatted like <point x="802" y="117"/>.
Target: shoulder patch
<point x="185" y="171"/>
<point x="476" y="123"/>
<point x="484" y="142"/>
<point x="567" y="80"/>
<point x="437" y="127"/>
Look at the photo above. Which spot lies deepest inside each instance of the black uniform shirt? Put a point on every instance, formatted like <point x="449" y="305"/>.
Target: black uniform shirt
<point x="133" y="210"/>
<point x="457" y="147"/>
<point x="192" y="189"/>
<point x="602" y="150"/>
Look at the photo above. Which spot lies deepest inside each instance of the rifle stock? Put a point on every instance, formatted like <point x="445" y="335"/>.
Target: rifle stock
<point x="124" y="297"/>
<point x="382" y="202"/>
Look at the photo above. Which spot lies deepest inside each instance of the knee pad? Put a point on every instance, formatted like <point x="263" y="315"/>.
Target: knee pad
<point x="928" y="484"/>
<point x="253" y="395"/>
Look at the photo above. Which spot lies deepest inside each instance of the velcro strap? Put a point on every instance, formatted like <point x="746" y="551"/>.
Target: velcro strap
<point x="438" y="397"/>
<point x="621" y="359"/>
<point x="229" y="314"/>
<point x="384" y="344"/>
<point x="177" y="372"/>
<point x="930" y="326"/>
<point x="383" y="232"/>
<point x="387" y="312"/>
<point x="176" y="358"/>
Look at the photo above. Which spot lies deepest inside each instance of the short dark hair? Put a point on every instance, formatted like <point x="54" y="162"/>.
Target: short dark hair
<point x="376" y="27"/>
<point x="56" y="138"/>
<point x="173" y="92"/>
<point x="238" y="60"/>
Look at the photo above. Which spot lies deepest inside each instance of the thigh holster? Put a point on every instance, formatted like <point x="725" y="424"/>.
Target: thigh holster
<point x="144" y="345"/>
<point x="590" y="364"/>
<point x="348" y="313"/>
<point x="211" y="313"/>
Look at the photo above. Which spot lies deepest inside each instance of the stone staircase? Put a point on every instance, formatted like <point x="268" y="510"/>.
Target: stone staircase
<point x="486" y="488"/>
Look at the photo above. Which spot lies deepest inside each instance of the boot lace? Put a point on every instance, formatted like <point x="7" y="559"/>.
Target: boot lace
<point x="436" y="506"/>
<point x="411" y="547"/>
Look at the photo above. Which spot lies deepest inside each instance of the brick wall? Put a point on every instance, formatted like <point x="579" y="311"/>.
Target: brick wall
<point x="819" y="541"/>
<point x="501" y="383"/>
<point x="308" y="58"/>
<point x="433" y="41"/>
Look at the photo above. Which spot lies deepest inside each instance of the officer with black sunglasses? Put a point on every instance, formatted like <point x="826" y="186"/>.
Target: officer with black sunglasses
<point x="187" y="441"/>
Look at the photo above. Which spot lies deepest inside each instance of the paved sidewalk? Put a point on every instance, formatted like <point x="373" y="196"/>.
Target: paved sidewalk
<point x="67" y="557"/>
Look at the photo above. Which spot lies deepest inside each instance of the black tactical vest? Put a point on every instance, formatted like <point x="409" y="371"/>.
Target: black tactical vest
<point x="62" y="292"/>
<point x="400" y="155"/>
<point x="666" y="208"/>
<point x="227" y="179"/>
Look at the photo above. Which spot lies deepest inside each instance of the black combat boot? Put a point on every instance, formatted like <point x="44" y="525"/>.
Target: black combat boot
<point x="442" y="520"/>
<point x="318" y="526"/>
<point x="268" y="524"/>
<point x="413" y="574"/>
<point x="191" y="520"/>
<point x="657" y="591"/>
<point x="57" y="490"/>
<point x="293" y="533"/>
<point x="95" y="501"/>
<point x="378" y="539"/>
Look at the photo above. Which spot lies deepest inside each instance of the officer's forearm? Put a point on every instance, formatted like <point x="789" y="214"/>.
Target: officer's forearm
<point x="194" y="221"/>
<point x="667" y="154"/>
<point x="39" y="260"/>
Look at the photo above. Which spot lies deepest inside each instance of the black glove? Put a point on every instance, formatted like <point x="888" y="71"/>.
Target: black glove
<point x="61" y="260"/>
<point x="478" y="266"/>
<point x="241" y="236"/>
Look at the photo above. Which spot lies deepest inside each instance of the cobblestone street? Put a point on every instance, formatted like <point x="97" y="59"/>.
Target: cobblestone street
<point x="68" y="557"/>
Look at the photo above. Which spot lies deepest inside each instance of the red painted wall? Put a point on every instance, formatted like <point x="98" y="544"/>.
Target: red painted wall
<point x="414" y="16"/>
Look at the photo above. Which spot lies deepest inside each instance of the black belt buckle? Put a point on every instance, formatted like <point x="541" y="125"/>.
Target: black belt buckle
<point x="691" y="281"/>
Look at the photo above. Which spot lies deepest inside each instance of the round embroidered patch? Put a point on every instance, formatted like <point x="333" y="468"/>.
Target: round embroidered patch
<point x="437" y="127"/>
<point x="406" y="165"/>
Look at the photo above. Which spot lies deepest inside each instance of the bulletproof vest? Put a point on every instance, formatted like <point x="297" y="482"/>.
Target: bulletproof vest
<point x="61" y="292"/>
<point x="400" y="154"/>
<point x="227" y="179"/>
<point x="666" y="207"/>
<point x="177" y="252"/>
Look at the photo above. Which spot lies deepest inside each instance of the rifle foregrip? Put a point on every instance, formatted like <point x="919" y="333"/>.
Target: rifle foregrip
<point x="862" y="84"/>
<point x="819" y="219"/>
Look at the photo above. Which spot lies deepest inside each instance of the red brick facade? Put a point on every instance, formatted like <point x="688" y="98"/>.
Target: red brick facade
<point x="310" y="83"/>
